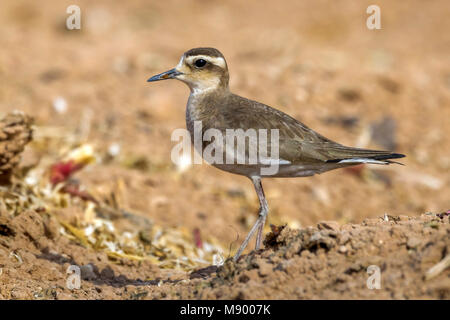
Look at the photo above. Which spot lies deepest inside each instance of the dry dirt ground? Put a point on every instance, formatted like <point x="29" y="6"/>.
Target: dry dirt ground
<point x="315" y="60"/>
<point x="327" y="261"/>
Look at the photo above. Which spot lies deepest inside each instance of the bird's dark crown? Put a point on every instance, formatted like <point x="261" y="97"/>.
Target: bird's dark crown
<point x="210" y="52"/>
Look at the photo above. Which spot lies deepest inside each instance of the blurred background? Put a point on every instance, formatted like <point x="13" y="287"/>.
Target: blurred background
<point x="315" y="60"/>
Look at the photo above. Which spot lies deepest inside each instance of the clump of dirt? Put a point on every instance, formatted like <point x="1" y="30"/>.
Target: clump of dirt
<point x="15" y="133"/>
<point x="328" y="261"/>
<point x="333" y="262"/>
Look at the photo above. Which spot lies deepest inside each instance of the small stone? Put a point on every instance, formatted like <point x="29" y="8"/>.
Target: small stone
<point x="343" y="249"/>
<point x="114" y="149"/>
<point x="315" y="237"/>
<point x="264" y="268"/>
<point x="413" y="243"/>
<point x="51" y="228"/>
<point x="87" y="272"/>
<point x="107" y="273"/>
<point x="292" y="250"/>
<point x="60" y="105"/>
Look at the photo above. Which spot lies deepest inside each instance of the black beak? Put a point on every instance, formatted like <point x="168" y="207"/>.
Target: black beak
<point x="165" y="75"/>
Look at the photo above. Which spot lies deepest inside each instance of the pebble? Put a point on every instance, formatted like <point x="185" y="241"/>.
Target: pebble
<point x="87" y="272"/>
<point x="60" y="105"/>
<point x="413" y="243"/>
<point x="343" y="249"/>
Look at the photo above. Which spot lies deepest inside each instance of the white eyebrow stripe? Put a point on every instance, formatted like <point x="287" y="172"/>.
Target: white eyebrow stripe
<point x="218" y="61"/>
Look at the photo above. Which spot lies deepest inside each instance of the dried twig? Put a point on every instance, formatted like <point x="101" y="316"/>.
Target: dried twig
<point x="438" y="268"/>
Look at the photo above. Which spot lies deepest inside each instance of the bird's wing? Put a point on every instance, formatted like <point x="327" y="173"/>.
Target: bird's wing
<point x="297" y="142"/>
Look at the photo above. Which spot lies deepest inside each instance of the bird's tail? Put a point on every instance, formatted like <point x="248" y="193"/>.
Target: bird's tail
<point x="356" y="155"/>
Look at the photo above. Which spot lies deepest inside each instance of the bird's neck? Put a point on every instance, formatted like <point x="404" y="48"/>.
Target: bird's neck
<point x="200" y="94"/>
<point x="208" y="88"/>
<point x="201" y="102"/>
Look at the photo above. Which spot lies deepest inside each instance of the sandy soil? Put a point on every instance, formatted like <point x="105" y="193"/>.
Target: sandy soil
<point x="315" y="60"/>
<point x="327" y="261"/>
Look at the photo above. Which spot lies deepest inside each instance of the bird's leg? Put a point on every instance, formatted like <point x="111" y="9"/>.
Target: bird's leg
<point x="260" y="233"/>
<point x="263" y="210"/>
<point x="259" y="224"/>
<point x="247" y="239"/>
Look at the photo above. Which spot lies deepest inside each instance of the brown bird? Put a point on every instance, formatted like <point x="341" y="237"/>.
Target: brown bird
<point x="301" y="151"/>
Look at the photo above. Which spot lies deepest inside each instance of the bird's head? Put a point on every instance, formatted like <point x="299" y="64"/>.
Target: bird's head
<point x="202" y="69"/>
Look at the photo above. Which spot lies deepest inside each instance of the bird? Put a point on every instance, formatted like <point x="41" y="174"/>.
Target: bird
<point x="302" y="151"/>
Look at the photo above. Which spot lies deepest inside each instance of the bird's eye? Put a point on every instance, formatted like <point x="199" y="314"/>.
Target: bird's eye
<point x="200" y="63"/>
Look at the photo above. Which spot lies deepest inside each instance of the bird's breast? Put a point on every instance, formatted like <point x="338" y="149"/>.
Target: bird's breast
<point x="200" y="109"/>
<point x="192" y="115"/>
